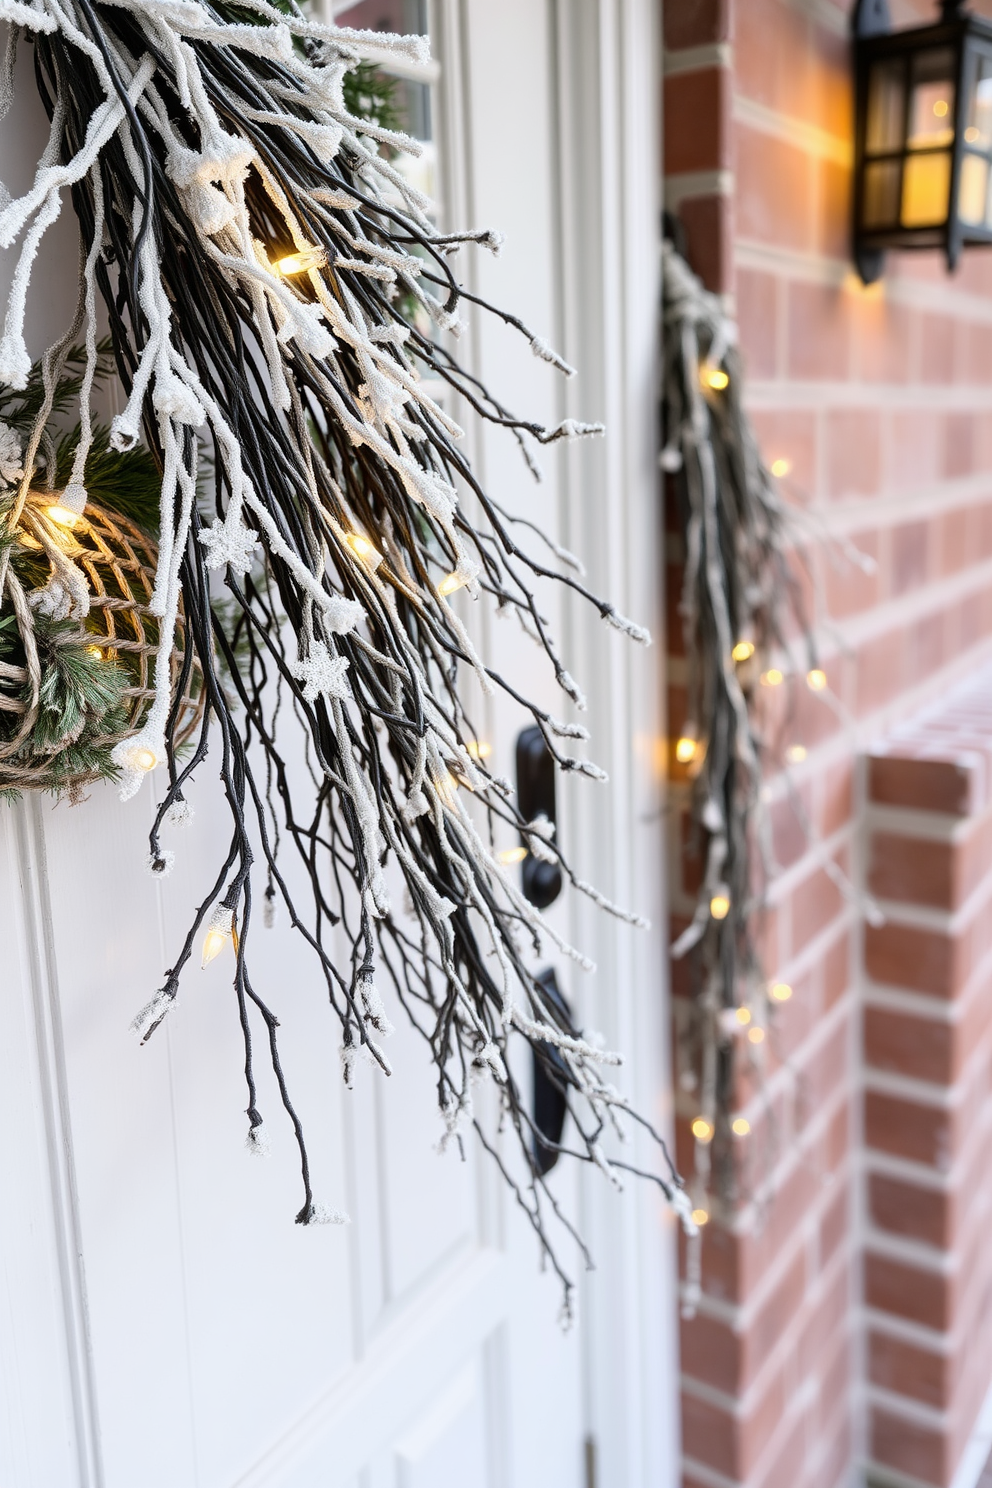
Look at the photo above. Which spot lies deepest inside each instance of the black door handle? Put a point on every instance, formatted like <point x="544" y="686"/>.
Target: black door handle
<point x="536" y="796"/>
<point x="550" y="1078"/>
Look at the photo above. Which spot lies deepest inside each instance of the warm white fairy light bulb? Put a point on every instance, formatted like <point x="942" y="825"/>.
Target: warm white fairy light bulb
<point x="63" y="516"/>
<point x="714" y="378"/>
<point x="479" y="749"/>
<point x="772" y="678"/>
<point x="700" y="1216"/>
<point x="219" y="932"/>
<point x="301" y="262"/>
<point x="702" y="1130"/>
<point x="511" y="855"/>
<point x="781" y="467"/>
<point x="781" y="992"/>
<point x="144" y="758"/>
<point x="686" y="746"/>
<point x="744" y="650"/>
<point x="740" y="1126"/>
<point x="720" y="904"/>
<point x="816" y="679"/>
<point x="451" y="583"/>
<point x="363" y="549"/>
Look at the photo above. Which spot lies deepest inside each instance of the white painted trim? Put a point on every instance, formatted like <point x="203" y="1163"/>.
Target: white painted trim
<point x="37" y="913"/>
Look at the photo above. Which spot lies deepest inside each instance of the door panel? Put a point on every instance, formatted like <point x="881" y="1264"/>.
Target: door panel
<point x="163" y="1322"/>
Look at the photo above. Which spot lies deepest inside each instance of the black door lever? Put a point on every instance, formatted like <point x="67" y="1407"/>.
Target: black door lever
<point x="550" y="1078"/>
<point x="536" y="782"/>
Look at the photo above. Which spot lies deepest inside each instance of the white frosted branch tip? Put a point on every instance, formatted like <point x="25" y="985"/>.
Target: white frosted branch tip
<point x="322" y="1214"/>
<point x="160" y="864"/>
<point x="547" y="353"/>
<point x="620" y="622"/>
<point x="258" y="1141"/>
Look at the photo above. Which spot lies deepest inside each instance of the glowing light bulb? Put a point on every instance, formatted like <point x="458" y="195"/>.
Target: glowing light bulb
<point x="816" y="680"/>
<point x="700" y="1216"/>
<point x="781" y="992"/>
<point x="720" y="906"/>
<point x="743" y="1015"/>
<point x="940" y="108"/>
<point x="781" y="467"/>
<point x="772" y="678"/>
<point x="702" y="1129"/>
<point x="743" y="651"/>
<point x="971" y="134"/>
<point x="302" y="262"/>
<point x="686" y="749"/>
<point x="479" y="749"/>
<point x="756" y="1035"/>
<point x="364" y="550"/>
<point x="63" y="515"/>
<point x="219" y="932"/>
<point x="214" y="943"/>
<point x="95" y="651"/>
<point x="740" y="1126"/>
<point x="451" y="583"/>
<point x="714" y="378"/>
<point x="446" y="786"/>
<point x="144" y="758"/>
<point x="511" y="855"/>
<point x="795" y="754"/>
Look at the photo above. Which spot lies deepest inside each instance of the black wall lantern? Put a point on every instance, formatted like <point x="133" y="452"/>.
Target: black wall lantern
<point x="923" y="134"/>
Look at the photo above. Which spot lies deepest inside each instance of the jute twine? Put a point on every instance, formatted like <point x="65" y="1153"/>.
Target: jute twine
<point x="118" y="561"/>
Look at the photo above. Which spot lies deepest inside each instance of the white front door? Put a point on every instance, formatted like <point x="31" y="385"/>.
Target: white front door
<point x="163" y="1322"/>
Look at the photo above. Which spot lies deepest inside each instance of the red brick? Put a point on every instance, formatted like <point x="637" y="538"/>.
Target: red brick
<point x="906" y="956"/>
<point x="709" y="1435"/>
<point x="908" y="1446"/>
<point x="848" y="588"/>
<point x="854" y="452"/>
<point x="708" y="225"/>
<point x="906" y="1291"/>
<point x="880" y="671"/>
<point x="937" y="349"/>
<point x="757" y="324"/>
<point x="959" y="445"/>
<point x="920" y="1048"/>
<point x="819" y="334"/>
<point x="693" y="23"/>
<point x="904" y="1208"/>
<point x="904" y="1128"/>
<point x="772" y="56"/>
<point x="913" y="870"/>
<point x="775" y="191"/>
<point x="884" y="339"/>
<point x="910" y="555"/>
<point x="905" y="1369"/>
<point x="697" y="120"/>
<point x="944" y="785"/>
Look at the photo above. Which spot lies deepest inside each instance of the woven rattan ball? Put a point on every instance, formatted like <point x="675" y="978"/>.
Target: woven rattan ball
<point x="118" y="561"/>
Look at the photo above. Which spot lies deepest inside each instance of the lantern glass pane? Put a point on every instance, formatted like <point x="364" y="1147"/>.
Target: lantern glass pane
<point x="926" y="189"/>
<point x="978" y="131"/>
<point x="880" y="201"/>
<point x="886" y="107"/>
<point x="931" y="109"/>
<point x="973" y="188"/>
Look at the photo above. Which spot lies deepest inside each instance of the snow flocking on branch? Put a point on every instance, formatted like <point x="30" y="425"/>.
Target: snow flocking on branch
<point x="256" y="252"/>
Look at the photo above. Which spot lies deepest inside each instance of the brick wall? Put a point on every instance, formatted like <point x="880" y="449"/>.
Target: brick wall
<point x="927" y="1041"/>
<point x="880" y="403"/>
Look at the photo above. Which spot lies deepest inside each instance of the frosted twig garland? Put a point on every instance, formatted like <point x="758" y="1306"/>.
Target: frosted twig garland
<point x="738" y="596"/>
<point x="253" y="249"/>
